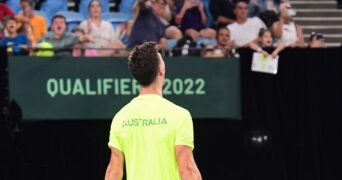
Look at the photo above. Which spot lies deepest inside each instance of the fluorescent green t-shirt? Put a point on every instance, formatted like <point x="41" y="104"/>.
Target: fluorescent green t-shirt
<point x="147" y="130"/>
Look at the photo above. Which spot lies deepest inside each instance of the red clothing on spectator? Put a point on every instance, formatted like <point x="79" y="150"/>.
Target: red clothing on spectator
<point x="5" y="11"/>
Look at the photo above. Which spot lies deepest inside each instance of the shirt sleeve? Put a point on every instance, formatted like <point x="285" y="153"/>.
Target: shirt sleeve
<point x="114" y="137"/>
<point x="184" y="131"/>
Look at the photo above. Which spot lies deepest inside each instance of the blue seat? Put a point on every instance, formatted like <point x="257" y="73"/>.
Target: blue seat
<point x="83" y="7"/>
<point x="205" y="41"/>
<point x="14" y="5"/>
<point x="73" y="19"/>
<point x="51" y="7"/>
<point x="171" y="43"/>
<point x="126" y="7"/>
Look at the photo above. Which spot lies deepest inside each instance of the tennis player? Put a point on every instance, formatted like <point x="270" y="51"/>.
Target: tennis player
<point x="151" y="135"/>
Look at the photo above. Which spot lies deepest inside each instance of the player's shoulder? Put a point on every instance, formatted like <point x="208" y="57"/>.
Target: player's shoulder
<point x="176" y="108"/>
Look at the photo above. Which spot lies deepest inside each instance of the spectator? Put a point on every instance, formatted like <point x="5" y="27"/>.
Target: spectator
<point x="286" y="30"/>
<point x="33" y="25"/>
<point x="222" y="12"/>
<point x="5" y="11"/>
<point x="62" y="41"/>
<point x="265" y="40"/>
<point x="245" y="30"/>
<point x="78" y="48"/>
<point x="17" y="43"/>
<point x="148" y="25"/>
<point x="104" y="39"/>
<point x="257" y="7"/>
<point x="223" y="46"/>
<point x="192" y="18"/>
<point x="316" y="40"/>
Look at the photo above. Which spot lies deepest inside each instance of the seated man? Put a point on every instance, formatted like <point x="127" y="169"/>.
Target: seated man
<point x="62" y="41"/>
<point x="17" y="43"/>
<point x="223" y="47"/>
<point x="34" y="26"/>
<point x="245" y="30"/>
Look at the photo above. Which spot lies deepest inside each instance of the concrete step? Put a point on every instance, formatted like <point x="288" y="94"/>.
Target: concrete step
<point x="333" y="44"/>
<point x="314" y="4"/>
<point x="319" y="14"/>
<point x="323" y="29"/>
<point x="327" y="38"/>
<point x="323" y="21"/>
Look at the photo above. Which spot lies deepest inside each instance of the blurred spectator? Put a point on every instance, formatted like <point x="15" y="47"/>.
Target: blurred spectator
<point x="149" y="25"/>
<point x="33" y="25"/>
<point x="256" y="7"/>
<point x="222" y="12"/>
<point x="286" y="30"/>
<point x="192" y="18"/>
<point x="17" y="43"/>
<point x="339" y="4"/>
<point x="104" y="39"/>
<point x="223" y="47"/>
<point x="316" y="40"/>
<point x="265" y="40"/>
<point x="244" y="30"/>
<point x="62" y="41"/>
<point x="78" y="48"/>
<point x="5" y="11"/>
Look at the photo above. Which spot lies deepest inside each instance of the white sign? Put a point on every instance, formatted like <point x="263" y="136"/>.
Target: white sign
<point x="265" y="64"/>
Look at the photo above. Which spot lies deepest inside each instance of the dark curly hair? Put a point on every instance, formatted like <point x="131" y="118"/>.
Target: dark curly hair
<point x="144" y="63"/>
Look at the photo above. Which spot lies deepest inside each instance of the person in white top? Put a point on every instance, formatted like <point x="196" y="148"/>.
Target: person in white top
<point x="244" y="30"/>
<point x="286" y="31"/>
<point x="102" y="33"/>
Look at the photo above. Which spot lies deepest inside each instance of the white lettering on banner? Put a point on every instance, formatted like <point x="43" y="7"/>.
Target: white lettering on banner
<point x="119" y="86"/>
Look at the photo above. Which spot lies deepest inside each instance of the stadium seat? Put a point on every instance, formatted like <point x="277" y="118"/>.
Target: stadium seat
<point x="84" y="7"/>
<point x="171" y="43"/>
<point x="126" y="7"/>
<point x="205" y="41"/>
<point x="51" y="7"/>
<point x="73" y="19"/>
<point x="14" y="5"/>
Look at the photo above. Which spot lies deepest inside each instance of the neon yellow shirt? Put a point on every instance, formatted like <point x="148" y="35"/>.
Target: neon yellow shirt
<point x="147" y="130"/>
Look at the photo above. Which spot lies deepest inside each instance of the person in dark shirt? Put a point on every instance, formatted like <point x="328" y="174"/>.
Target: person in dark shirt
<point x="192" y="18"/>
<point x="147" y="26"/>
<point x="222" y="12"/>
<point x="16" y="43"/>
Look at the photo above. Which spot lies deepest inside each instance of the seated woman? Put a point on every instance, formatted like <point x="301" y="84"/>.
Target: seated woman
<point x="265" y="40"/>
<point x="104" y="41"/>
<point x="192" y="18"/>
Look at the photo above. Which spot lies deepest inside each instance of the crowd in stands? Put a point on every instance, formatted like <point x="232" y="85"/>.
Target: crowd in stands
<point x="211" y="28"/>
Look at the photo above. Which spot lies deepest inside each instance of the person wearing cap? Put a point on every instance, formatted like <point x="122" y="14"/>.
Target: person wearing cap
<point x="286" y="31"/>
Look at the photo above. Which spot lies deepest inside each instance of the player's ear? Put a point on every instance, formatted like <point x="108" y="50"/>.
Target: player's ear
<point x="161" y="65"/>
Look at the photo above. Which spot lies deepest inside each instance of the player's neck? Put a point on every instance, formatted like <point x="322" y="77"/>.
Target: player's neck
<point x="152" y="89"/>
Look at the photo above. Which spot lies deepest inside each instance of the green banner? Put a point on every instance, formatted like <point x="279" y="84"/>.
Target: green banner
<point x="96" y="88"/>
